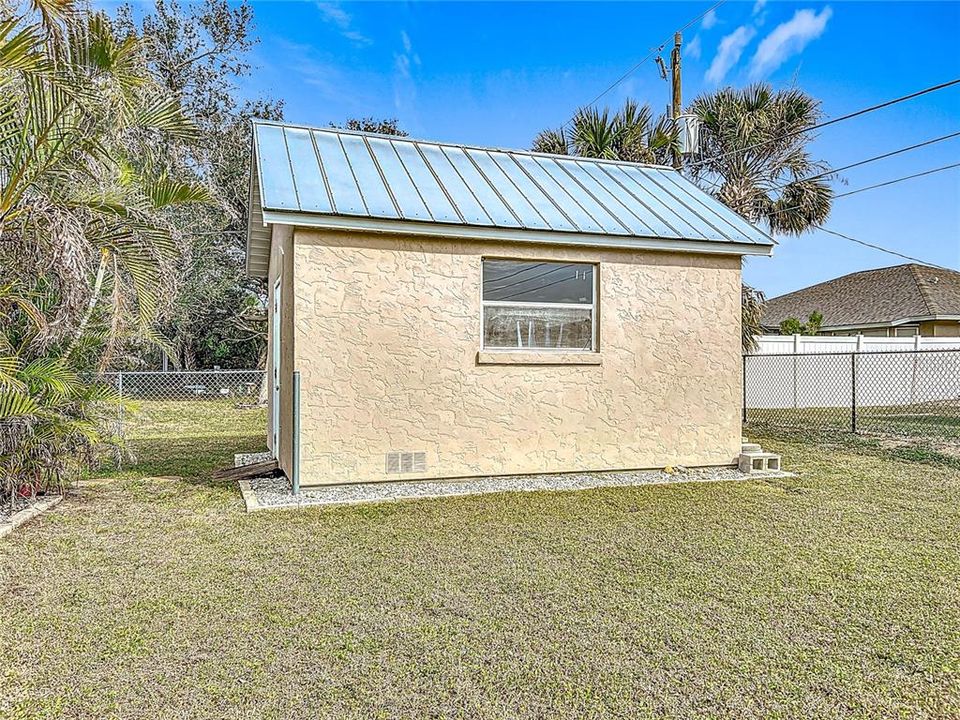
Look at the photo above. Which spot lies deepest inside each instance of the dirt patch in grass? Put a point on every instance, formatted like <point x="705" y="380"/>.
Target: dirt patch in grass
<point x="832" y="594"/>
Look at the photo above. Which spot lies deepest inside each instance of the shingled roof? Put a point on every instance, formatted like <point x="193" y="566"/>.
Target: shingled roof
<point x="885" y="296"/>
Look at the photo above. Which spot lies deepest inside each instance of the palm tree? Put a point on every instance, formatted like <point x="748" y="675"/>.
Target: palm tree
<point x="51" y="418"/>
<point x="751" y="313"/>
<point x="86" y="188"/>
<point x="630" y="134"/>
<point x="82" y="185"/>
<point x="753" y="156"/>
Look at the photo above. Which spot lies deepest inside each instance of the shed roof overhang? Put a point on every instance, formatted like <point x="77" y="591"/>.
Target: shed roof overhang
<point x="340" y="180"/>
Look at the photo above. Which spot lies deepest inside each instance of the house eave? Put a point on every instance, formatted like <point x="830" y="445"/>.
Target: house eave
<point x="257" y="260"/>
<point x="546" y="237"/>
<point x="891" y="323"/>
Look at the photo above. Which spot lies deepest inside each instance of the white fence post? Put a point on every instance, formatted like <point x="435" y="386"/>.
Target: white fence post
<point x="797" y="349"/>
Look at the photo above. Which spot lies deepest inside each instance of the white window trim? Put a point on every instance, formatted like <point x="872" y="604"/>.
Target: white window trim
<point x="594" y="330"/>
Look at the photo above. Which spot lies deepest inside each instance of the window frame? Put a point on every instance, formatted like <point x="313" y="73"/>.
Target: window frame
<point x="593" y="305"/>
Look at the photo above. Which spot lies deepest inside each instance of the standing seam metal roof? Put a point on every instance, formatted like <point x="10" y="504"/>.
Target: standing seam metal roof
<point x="332" y="172"/>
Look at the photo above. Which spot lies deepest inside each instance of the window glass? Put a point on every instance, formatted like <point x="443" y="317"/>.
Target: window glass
<point x="538" y="305"/>
<point x="539" y="282"/>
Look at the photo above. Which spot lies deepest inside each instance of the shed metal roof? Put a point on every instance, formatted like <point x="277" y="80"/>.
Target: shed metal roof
<point x="324" y="177"/>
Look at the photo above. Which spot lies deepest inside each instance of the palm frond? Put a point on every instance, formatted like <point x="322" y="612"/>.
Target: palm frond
<point x="10" y="366"/>
<point x="166" y="191"/>
<point x="14" y="404"/>
<point x="50" y="376"/>
<point x="551" y="142"/>
<point x="166" y="115"/>
<point x="751" y="315"/>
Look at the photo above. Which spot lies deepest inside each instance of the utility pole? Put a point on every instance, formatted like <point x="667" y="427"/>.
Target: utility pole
<point x="677" y="97"/>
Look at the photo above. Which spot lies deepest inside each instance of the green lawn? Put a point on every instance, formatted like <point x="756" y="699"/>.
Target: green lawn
<point x="153" y="595"/>
<point x="934" y="421"/>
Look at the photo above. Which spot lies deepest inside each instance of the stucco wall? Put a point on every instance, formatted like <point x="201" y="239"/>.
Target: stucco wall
<point x="387" y="340"/>
<point x="281" y="266"/>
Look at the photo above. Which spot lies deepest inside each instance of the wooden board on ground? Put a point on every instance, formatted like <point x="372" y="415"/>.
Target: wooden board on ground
<point x="246" y="472"/>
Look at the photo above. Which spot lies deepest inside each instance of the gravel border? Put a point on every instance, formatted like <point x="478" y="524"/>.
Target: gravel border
<point x="275" y="493"/>
<point x="241" y="459"/>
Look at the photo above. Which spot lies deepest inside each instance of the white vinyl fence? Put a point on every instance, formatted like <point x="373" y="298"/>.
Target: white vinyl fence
<point x="905" y="371"/>
<point x="912" y="392"/>
<point x="797" y="344"/>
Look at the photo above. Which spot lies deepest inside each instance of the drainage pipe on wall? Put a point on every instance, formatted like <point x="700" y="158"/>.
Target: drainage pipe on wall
<point x="295" y="474"/>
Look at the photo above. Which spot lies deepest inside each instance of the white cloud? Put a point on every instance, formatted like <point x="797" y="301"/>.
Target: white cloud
<point x="404" y="85"/>
<point x="694" y="48"/>
<point x="758" y="6"/>
<point x="709" y="20"/>
<point x="402" y="66"/>
<point x="729" y="52"/>
<point x="329" y="80"/>
<point x="788" y="39"/>
<point x="334" y="14"/>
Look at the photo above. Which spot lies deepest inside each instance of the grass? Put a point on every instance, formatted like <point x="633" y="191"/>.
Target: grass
<point x="940" y="421"/>
<point x="151" y="594"/>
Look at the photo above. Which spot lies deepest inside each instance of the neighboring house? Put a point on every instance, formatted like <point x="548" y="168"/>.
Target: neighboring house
<point x="898" y="301"/>
<point x="455" y="311"/>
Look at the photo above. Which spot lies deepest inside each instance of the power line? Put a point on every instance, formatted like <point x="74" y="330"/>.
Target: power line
<point x="651" y="54"/>
<point x="878" y="247"/>
<point x="531" y="278"/>
<point x="878" y="185"/>
<point x="897" y="180"/>
<point x="511" y="296"/>
<point x="834" y="171"/>
<point x="513" y="274"/>
<point x="832" y="121"/>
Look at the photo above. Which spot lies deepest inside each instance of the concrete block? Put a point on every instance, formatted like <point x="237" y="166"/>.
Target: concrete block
<point x="752" y="462"/>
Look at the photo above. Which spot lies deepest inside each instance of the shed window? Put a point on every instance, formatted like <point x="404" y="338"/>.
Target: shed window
<point x="539" y="305"/>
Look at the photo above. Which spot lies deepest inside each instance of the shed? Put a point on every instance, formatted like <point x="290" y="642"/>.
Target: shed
<point x="441" y="311"/>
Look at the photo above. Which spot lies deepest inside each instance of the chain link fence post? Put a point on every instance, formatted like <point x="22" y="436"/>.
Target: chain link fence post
<point x="744" y="389"/>
<point x="120" y="430"/>
<point x="853" y="392"/>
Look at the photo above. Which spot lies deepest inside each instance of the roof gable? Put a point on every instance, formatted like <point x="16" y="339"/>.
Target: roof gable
<point x="881" y="296"/>
<point x="326" y="177"/>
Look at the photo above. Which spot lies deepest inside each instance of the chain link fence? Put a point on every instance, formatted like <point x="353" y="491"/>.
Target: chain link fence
<point x="911" y="394"/>
<point x="208" y="402"/>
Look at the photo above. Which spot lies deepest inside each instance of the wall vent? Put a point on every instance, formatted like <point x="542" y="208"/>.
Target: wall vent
<point x="419" y="462"/>
<point x="398" y="463"/>
<point x="392" y="463"/>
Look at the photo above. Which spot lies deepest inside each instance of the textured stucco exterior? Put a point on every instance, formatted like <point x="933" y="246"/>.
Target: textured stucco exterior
<point x="387" y="334"/>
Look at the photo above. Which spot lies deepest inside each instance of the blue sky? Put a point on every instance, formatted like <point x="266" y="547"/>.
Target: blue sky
<point x="496" y="73"/>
